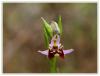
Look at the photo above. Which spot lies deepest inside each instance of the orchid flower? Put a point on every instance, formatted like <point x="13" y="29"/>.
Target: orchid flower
<point x="55" y="48"/>
<point x="52" y="33"/>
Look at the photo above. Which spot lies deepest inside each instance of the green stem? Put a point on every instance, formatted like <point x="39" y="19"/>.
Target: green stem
<point x="53" y="67"/>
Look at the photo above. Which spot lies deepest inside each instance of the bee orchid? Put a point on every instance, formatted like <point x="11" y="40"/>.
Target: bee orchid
<point x="55" y="48"/>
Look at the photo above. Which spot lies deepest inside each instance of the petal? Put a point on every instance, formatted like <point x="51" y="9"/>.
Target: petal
<point x="44" y="52"/>
<point x="68" y="51"/>
<point x="51" y="45"/>
<point x="57" y="37"/>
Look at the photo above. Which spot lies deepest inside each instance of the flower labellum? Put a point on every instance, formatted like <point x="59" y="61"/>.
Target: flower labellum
<point x="55" y="48"/>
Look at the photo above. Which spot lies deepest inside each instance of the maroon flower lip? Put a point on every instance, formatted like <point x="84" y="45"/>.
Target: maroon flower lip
<point x="55" y="51"/>
<point x="55" y="48"/>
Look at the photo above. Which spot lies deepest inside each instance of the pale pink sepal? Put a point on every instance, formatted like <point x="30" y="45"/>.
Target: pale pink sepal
<point x="68" y="51"/>
<point x="44" y="52"/>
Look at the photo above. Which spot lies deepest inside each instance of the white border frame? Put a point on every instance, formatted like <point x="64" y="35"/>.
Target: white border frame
<point x="46" y="1"/>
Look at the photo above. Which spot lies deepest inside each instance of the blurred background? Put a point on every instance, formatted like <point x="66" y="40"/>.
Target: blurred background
<point x="23" y="37"/>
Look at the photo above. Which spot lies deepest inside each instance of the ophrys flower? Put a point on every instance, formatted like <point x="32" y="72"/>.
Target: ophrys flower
<point x="55" y="48"/>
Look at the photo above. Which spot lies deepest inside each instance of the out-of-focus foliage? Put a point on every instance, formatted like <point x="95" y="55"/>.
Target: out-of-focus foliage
<point x="23" y="37"/>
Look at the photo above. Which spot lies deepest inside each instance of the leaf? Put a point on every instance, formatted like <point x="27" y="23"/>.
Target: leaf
<point x="47" y="32"/>
<point x="46" y="38"/>
<point x="47" y="27"/>
<point x="60" y="24"/>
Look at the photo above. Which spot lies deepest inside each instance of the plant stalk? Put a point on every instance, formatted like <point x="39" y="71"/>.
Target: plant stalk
<point x="53" y="67"/>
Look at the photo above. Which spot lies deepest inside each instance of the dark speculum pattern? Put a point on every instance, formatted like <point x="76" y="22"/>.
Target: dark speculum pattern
<point x="51" y="54"/>
<point x="55" y="50"/>
<point x="61" y="53"/>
